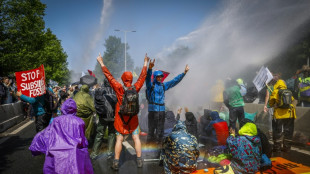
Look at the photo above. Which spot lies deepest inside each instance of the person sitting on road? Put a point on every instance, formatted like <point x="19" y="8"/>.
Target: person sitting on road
<point x="217" y="129"/>
<point x="180" y="151"/>
<point x="245" y="149"/>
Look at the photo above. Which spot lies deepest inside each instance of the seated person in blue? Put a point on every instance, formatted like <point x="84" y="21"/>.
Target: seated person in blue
<point x="170" y="121"/>
<point x="217" y="130"/>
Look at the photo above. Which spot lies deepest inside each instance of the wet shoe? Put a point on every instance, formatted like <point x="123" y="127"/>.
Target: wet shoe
<point x="115" y="164"/>
<point x="139" y="162"/>
<point x="110" y="155"/>
<point x="93" y="156"/>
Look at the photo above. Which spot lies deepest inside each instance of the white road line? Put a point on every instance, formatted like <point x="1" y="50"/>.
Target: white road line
<point x="129" y="148"/>
<point x="300" y="150"/>
<point x="10" y="119"/>
<point x="4" y="139"/>
<point x="307" y="152"/>
<point x="21" y="128"/>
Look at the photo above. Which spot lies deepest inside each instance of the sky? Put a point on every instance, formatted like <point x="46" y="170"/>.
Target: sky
<point x="226" y="39"/>
<point x="82" y="26"/>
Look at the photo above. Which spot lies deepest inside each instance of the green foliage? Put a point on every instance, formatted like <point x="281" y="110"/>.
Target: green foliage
<point x="294" y="57"/>
<point x="25" y="44"/>
<point x="113" y="58"/>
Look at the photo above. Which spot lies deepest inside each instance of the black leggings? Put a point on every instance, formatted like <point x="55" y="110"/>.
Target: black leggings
<point x="234" y="114"/>
<point x="42" y="121"/>
<point x="156" y="125"/>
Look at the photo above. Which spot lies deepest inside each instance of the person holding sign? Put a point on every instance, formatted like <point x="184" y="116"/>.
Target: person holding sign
<point x="42" y="119"/>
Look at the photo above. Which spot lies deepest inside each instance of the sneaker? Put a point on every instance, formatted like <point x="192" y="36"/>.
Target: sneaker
<point x="115" y="164"/>
<point x="139" y="162"/>
<point x="93" y="156"/>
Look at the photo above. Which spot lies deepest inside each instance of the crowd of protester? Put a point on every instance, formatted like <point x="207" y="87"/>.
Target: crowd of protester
<point x="84" y="113"/>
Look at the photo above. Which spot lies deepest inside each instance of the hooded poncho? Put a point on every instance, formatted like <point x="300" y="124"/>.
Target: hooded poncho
<point x="64" y="144"/>
<point x="180" y="151"/>
<point x="245" y="149"/>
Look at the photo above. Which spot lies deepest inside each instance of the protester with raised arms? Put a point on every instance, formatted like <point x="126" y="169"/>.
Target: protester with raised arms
<point x="126" y="110"/>
<point x="156" y="101"/>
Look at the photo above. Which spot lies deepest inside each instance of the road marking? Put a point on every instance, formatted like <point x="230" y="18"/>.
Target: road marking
<point x="10" y="119"/>
<point x="306" y="152"/>
<point x="300" y="150"/>
<point x="4" y="139"/>
<point x="129" y="148"/>
<point x="21" y="128"/>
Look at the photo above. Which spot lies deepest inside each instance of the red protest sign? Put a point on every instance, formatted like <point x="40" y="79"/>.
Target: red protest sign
<point x="32" y="82"/>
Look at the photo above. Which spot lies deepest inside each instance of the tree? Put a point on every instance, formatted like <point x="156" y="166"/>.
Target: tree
<point x="113" y="58"/>
<point x="25" y="44"/>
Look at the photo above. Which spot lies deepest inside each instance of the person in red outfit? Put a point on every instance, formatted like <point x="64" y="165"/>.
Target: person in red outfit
<point x="133" y="126"/>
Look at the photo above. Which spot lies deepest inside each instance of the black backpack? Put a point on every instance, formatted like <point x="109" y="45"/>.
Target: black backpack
<point x="105" y="103"/>
<point x="50" y="102"/>
<point x="285" y="98"/>
<point x="130" y="104"/>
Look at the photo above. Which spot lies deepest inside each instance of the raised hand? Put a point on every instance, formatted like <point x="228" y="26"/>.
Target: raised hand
<point x="18" y="93"/>
<point x="179" y="110"/>
<point x="152" y="63"/>
<point x="232" y="131"/>
<point x="100" y="60"/>
<point x="146" y="59"/>
<point x="186" y="69"/>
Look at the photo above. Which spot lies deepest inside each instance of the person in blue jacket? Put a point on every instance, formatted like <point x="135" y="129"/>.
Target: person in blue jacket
<point x="155" y="92"/>
<point x="217" y="129"/>
<point x="42" y="119"/>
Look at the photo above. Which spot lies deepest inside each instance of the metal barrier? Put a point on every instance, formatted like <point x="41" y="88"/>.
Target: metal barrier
<point x="10" y="115"/>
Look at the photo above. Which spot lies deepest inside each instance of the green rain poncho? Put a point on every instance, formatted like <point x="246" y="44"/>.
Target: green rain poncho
<point x="85" y="109"/>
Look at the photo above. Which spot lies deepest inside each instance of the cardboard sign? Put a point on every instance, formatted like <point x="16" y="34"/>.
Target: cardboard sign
<point x="32" y="82"/>
<point x="263" y="77"/>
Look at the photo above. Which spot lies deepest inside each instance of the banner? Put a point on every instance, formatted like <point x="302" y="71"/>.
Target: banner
<point x="32" y="82"/>
<point x="263" y="77"/>
<point x="166" y="74"/>
<point x="91" y="73"/>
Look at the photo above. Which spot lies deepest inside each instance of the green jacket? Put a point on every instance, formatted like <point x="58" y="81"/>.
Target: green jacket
<point x="85" y="103"/>
<point x="233" y="97"/>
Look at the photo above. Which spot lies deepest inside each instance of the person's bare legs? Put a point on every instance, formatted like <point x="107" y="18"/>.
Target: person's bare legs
<point x="137" y="142"/>
<point x="118" y="146"/>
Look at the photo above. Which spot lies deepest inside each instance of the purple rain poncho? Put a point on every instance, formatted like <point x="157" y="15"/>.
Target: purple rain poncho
<point x="64" y="144"/>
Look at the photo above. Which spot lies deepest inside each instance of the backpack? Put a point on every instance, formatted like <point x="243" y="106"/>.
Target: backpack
<point x="104" y="103"/>
<point x="130" y="104"/>
<point x="251" y="95"/>
<point x="50" y="102"/>
<point x="285" y="98"/>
